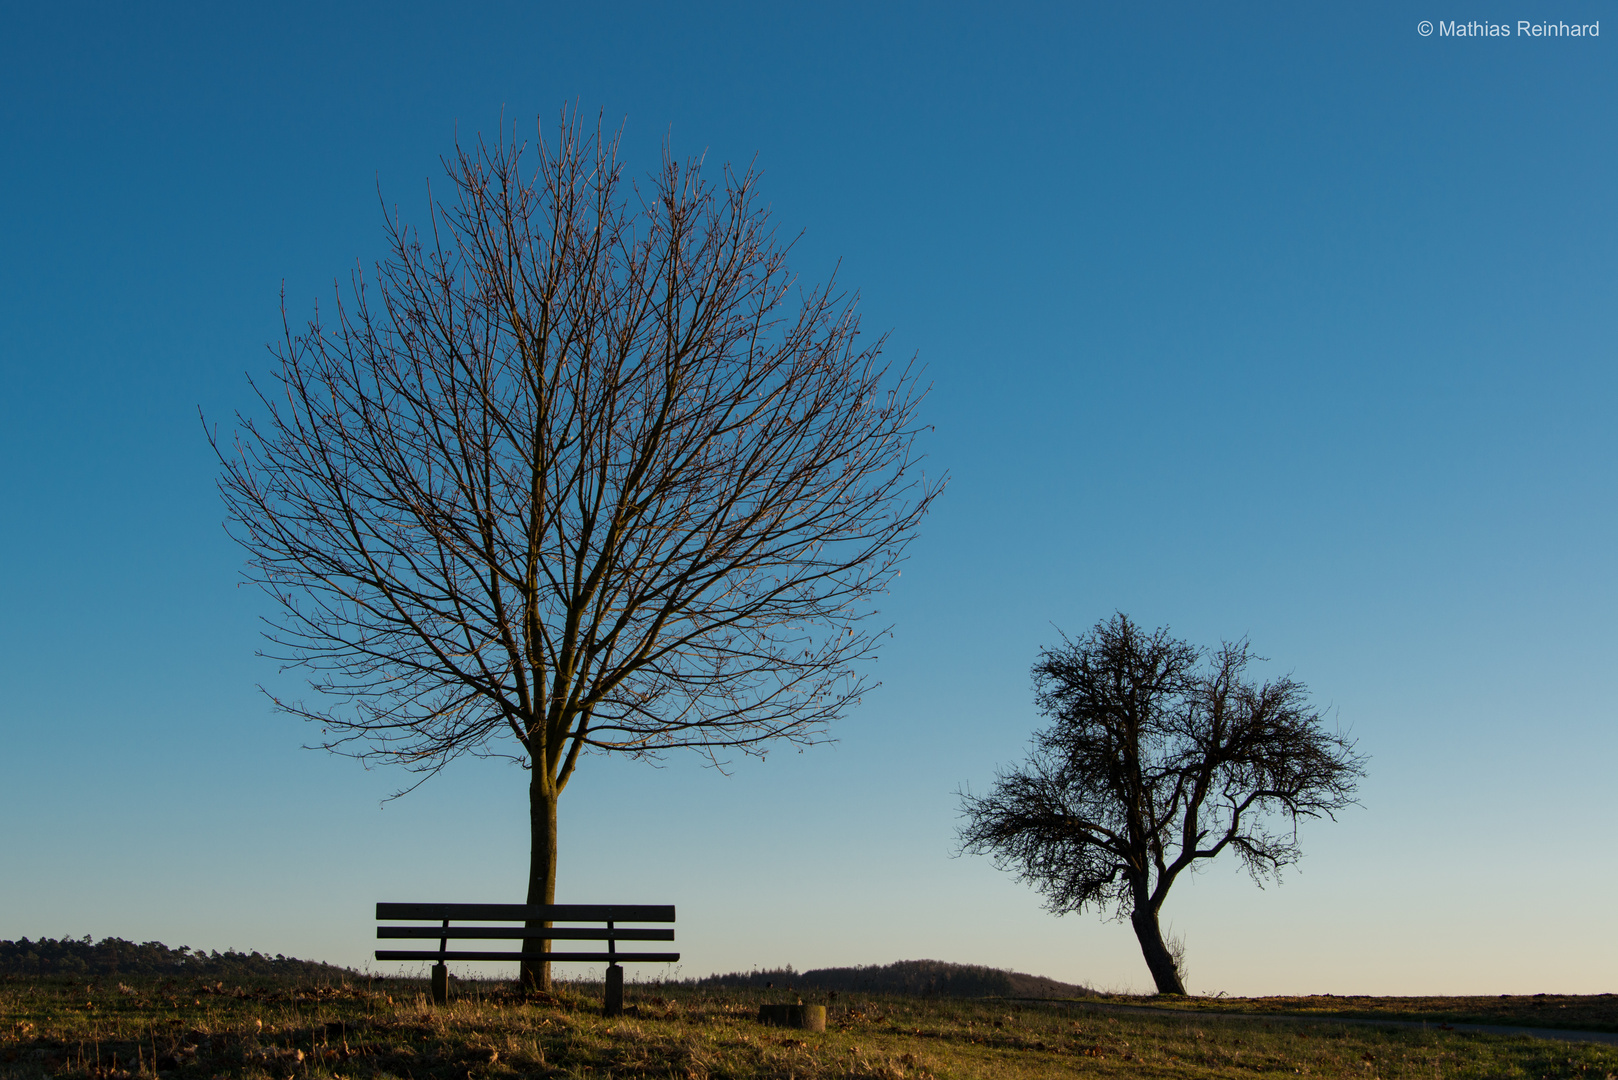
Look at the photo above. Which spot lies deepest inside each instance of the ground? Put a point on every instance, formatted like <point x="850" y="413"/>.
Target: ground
<point x="1588" y="1012"/>
<point x="106" y="1029"/>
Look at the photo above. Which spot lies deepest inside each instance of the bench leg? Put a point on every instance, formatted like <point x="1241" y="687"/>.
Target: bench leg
<point x="440" y="984"/>
<point x="614" y="1004"/>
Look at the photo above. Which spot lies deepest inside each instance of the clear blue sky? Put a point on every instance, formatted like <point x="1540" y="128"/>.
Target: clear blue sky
<point x="1279" y="320"/>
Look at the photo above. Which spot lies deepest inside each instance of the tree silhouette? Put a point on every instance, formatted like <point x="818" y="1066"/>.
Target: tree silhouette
<point x="580" y="467"/>
<point x="1158" y="756"/>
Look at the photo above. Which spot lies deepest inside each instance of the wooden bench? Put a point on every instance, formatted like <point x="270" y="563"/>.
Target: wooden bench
<point x="610" y="915"/>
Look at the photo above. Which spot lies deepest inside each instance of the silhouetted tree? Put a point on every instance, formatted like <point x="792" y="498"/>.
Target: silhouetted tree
<point x="1158" y="755"/>
<point x="582" y="466"/>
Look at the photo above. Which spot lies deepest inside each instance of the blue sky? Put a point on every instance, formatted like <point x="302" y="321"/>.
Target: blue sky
<point x="1281" y="320"/>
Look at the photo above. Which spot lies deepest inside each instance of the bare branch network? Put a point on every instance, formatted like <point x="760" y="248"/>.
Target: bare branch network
<point x="1158" y="756"/>
<point x="580" y="464"/>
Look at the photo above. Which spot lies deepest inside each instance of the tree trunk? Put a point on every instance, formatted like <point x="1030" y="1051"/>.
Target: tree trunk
<point x="536" y="974"/>
<point x="1158" y="959"/>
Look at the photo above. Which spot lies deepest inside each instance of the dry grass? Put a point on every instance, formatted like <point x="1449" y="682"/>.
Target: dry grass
<point x="1592" y="1012"/>
<point x="110" y="1031"/>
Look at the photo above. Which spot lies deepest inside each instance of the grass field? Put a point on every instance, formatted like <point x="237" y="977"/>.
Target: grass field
<point x="1597" y="1012"/>
<point x="105" y="1029"/>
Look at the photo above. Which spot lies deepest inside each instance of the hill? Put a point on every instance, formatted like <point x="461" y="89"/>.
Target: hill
<point x="922" y="978"/>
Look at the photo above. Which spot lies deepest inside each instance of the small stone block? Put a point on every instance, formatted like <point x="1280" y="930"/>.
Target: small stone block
<point x="614" y="1003"/>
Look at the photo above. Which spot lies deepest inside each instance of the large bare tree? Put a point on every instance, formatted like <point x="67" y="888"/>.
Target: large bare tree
<point x="1158" y="756"/>
<point x="580" y="467"/>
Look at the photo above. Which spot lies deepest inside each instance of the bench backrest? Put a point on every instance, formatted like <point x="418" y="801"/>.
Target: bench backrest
<point x="659" y="913"/>
<point x="533" y="917"/>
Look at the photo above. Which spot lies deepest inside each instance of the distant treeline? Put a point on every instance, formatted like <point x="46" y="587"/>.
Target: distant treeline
<point x="115" y="956"/>
<point x="911" y="977"/>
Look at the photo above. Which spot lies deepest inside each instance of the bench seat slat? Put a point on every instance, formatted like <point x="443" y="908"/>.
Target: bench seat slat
<point x="529" y="912"/>
<point x="579" y="957"/>
<point x="555" y="933"/>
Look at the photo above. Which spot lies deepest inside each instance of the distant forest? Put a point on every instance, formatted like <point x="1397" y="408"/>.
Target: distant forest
<point x="917" y="977"/>
<point x="115" y="956"/>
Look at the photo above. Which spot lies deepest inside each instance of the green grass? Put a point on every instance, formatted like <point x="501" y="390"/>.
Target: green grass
<point x="107" y="1030"/>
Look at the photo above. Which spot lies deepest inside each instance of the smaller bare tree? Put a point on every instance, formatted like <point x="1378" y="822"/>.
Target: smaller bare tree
<point x="1158" y="756"/>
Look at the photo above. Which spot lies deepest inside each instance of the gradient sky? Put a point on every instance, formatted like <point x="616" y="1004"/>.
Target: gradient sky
<point x="1277" y="320"/>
